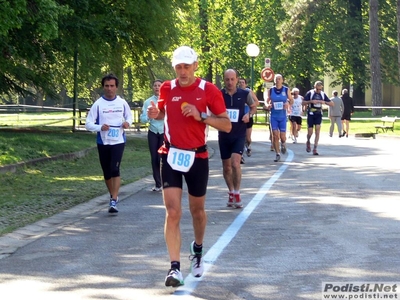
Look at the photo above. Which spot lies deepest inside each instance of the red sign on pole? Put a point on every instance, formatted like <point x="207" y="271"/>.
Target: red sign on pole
<point x="267" y="74"/>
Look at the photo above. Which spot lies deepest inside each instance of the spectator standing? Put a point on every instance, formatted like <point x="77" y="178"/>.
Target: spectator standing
<point x="188" y="104"/>
<point x="314" y="99"/>
<point x="109" y="116"/>
<point x="335" y="113"/>
<point x="155" y="135"/>
<point x="231" y="144"/>
<point x="348" y="111"/>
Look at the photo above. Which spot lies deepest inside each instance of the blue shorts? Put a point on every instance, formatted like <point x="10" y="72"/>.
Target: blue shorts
<point x="278" y="123"/>
<point x="230" y="145"/>
<point x="314" y="119"/>
<point x="196" y="178"/>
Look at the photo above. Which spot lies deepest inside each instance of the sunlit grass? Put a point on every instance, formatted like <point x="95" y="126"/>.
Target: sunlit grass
<point x="42" y="190"/>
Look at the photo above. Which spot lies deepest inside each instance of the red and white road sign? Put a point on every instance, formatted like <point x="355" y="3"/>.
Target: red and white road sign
<point x="267" y="74"/>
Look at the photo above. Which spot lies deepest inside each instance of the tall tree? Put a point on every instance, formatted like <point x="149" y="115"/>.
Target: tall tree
<point x="375" y="56"/>
<point x="398" y="36"/>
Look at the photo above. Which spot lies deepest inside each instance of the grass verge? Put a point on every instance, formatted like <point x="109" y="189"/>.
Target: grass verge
<point x="40" y="191"/>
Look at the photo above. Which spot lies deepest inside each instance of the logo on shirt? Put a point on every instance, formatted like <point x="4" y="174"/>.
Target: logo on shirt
<point x="110" y="111"/>
<point x="176" y="98"/>
<point x="198" y="99"/>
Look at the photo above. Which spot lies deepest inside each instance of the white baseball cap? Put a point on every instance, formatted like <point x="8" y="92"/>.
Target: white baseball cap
<point x="184" y="55"/>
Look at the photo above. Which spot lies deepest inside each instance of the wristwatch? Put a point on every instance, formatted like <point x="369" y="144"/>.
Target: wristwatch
<point x="250" y="115"/>
<point x="203" y="116"/>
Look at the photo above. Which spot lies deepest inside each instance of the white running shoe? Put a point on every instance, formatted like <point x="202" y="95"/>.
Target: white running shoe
<point x="174" y="278"/>
<point x="196" y="265"/>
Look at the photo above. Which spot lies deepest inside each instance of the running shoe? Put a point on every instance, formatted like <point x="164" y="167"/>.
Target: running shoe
<point x="237" y="201"/>
<point x="174" y="278"/>
<point x="315" y="152"/>
<point x="283" y="148"/>
<point x="272" y="148"/>
<point x="116" y="200"/>
<point x="230" y="200"/>
<point x="295" y="140"/>
<point x="113" y="206"/>
<point x="277" y="158"/>
<point x="156" y="189"/>
<point x="242" y="160"/>
<point x="248" y="151"/>
<point x="308" y="146"/>
<point x="197" y="264"/>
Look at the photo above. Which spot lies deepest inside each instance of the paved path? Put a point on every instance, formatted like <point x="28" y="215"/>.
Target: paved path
<point x="307" y="220"/>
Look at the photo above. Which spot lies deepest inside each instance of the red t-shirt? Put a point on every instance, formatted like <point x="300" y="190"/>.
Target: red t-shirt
<point x="185" y="132"/>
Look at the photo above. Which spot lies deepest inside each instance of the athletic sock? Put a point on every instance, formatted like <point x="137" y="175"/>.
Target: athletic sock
<point x="197" y="248"/>
<point x="176" y="265"/>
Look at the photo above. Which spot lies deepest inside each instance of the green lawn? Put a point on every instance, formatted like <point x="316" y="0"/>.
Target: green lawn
<point x="36" y="192"/>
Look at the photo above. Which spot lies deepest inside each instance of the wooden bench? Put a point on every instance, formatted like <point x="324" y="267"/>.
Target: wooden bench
<point x="387" y="124"/>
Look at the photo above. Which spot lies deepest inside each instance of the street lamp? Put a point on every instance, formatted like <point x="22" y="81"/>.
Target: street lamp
<point x="252" y="50"/>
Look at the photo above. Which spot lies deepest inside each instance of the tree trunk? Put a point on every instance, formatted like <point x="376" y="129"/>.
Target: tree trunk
<point x="205" y="48"/>
<point x="117" y="67"/>
<point x="398" y="37"/>
<point x="356" y="42"/>
<point x="374" y="57"/>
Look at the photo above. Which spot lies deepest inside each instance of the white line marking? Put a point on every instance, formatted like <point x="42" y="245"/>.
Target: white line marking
<point x="212" y="255"/>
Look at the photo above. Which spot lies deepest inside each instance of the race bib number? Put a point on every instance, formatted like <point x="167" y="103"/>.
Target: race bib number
<point x="233" y="115"/>
<point x="114" y="133"/>
<point x="278" y="105"/>
<point x="180" y="160"/>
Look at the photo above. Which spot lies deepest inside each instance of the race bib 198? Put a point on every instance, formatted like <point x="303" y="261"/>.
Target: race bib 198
<point x="180" y="160"/>
<point x="233" y="115"/>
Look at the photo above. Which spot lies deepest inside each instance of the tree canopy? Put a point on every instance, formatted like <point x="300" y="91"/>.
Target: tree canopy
<point x="40" y="40"/>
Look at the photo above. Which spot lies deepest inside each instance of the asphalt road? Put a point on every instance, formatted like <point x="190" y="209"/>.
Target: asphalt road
<point x="306" y="220"/>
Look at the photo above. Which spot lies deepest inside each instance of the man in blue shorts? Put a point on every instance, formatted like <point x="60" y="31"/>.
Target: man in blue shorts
<point x="314" y="100"/>
<point x="279" y="99"/>
<point x="231" y="144"/>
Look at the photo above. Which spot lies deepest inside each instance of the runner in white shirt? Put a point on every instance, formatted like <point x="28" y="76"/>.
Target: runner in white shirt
<point x="296" y="112"/>
<point x="109" y="116"/>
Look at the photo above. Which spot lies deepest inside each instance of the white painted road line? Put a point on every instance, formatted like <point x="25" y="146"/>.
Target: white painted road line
<point x="212" y="255"/>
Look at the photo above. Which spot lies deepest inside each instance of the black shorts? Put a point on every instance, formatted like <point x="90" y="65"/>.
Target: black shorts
<point x="295" y="119"/>
<point x="196" y="178"/>
<point x="346" y="116"/>
<point x="230" y="145"/>
<point x="110" y="159"/>
<point x="250" y="123"/>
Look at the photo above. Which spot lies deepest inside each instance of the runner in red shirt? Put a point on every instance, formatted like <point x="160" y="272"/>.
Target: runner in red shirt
<point x="188" y="104"/>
